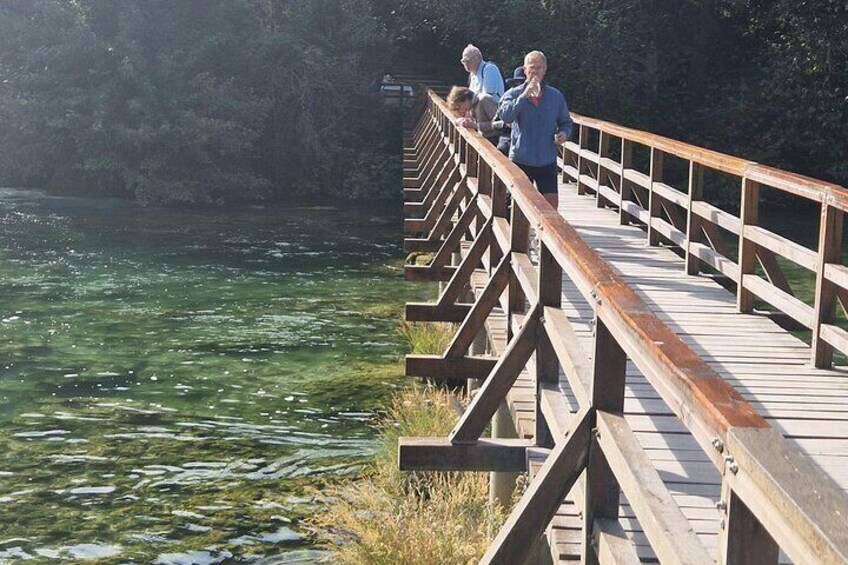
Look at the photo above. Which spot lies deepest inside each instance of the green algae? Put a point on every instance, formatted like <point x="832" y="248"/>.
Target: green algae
<point x="183" y="385"/>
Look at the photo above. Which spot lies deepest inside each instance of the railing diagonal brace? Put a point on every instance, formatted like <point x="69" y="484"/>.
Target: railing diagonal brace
<point x="539" y="504"/>
<point x="462" y="276"/>
<point x="453" y="239"/>
<point x="497" y="384"/>
<point x="480" y="311"/>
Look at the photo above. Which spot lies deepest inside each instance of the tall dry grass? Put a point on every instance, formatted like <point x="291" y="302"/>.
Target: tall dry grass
<point x="427" y="338"/>
<point x="391" y="517"/>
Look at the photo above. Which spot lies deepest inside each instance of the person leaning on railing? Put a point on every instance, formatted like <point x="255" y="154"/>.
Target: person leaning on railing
<point x="540" y="121"/>
<point x="476" y="111"/>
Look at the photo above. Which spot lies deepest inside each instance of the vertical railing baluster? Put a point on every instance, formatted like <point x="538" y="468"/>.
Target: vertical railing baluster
<point x="829" y="251"/>
<point x="583" y="142"/>
<point x="694" y="221"/>
<point x="742" y="539"/>
<point x="602" y="489"/>
<point x="654" y="204"/>
<point x="499" y="192"/>
<point x="547" y="363"/>
<point x="748" y="216"/>
<point x="603" y="152"/>
<point x="471" y="164"/>
<point x="625" y="186"/>
<point x="519" y="239"/>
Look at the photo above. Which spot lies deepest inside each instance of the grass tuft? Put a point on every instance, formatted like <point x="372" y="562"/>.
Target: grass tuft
<point x="427" y="338"/>
<point x="391" y="517"/>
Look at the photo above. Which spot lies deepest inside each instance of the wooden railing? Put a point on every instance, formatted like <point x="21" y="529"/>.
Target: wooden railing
<point x="456" y="188"/>
<point x="676" y="211"/>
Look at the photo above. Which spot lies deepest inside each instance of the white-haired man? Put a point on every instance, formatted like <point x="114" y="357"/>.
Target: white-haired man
<point x="540" y="121"/>
<point x="483" y="76"/>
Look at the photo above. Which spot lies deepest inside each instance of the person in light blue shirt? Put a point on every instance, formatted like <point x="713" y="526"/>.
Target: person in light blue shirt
<point x="540" y="121"/>
<point x="483" y="76"/>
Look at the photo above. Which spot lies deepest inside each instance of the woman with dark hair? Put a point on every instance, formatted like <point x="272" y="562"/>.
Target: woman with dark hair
<point x="475" y="111"/>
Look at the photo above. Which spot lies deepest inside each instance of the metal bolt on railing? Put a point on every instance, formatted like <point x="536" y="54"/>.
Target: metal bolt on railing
<point x="721" y="505"/>
<point x="731" y="463"/>
<point x="718" y="444"/>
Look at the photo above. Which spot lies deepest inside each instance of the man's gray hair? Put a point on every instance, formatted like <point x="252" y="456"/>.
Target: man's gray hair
<point x="537" y="54"/>
<point x="472" y="50"/>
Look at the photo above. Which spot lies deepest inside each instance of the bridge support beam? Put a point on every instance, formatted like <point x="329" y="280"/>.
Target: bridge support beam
<point x="439" y="454"/>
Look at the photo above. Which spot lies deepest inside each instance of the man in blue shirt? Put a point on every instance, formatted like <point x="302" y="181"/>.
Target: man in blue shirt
<point x="540" y="121"/>
<point x="483" y="76"/>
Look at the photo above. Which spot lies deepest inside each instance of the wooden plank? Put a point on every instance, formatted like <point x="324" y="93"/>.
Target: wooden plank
<point x="439" y="454"/>
<point x="637" y="178"/>
<point x="436" y="366"/>
<point x="626" y="190"/>
<point x="612" y="543"/>
<point x="786" y="303"/>
<point x="834" y="336"/>
<point x="671" y="194"/>
<point x="526" y="276"/>
<point x="421" y="245"/>
<point x="748" y="215"/>
<point x="715" y="260"/>
<point x="774" y="481"/>
<point x="423" y="273"/>
<point x="717" y="216"/>
<point x="609" y="368"/>
<point x="837" y="274"/>
<point x="540" y="502"/>
<point x="796" y="253"/>
<point x="670" y="534"/>
<point x="824" y="310"/>
<point x="426" y="312"/>
<point x="572" y="357"/>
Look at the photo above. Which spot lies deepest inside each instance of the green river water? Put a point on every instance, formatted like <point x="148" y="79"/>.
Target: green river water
<point x="177" y="386"/>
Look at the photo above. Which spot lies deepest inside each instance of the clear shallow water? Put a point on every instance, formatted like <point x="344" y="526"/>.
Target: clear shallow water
<point x="176" y="387"/>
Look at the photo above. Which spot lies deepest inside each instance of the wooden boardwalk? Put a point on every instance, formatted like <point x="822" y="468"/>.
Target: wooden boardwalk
<point x="767" y="364"/>
<point x="645" y="395"/>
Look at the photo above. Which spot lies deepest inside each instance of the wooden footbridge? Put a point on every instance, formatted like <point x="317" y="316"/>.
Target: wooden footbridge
<point x="662" y="413"/>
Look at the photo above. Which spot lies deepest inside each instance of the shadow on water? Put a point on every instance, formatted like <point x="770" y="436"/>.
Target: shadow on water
<point x="177" y="386"/>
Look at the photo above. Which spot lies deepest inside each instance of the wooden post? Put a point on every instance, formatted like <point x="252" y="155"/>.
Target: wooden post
<point x="830" y="251"/>
<point x="742" y="540"/>
<point x="694" y="221"/>
<point x="547" y="363"/>
<point x="602" y="490"/>
<point x="583" y="142"/>
<point x="626" y="163"/>
<point x="501" y="485"/>
<point x="519" y="242"/>
<point x="498" y="210"/>
<point x="654" y="205"/>
<point x="471" y="170"/>
<point x="748" y="216"/>
<point x="603" y="152"/>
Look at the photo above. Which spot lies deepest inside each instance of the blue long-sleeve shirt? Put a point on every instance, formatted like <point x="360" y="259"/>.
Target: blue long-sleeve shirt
<point x="534" y="125"/>
<point x="487" y="78"/>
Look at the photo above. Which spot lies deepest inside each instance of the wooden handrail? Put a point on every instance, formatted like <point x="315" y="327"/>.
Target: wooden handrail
<point x="710" y="402"/>
<point x="708" y="158"/>
<point x="758" y="488"/>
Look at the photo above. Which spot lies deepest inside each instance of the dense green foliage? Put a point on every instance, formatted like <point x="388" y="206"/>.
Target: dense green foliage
<point x="193" y="101"/>
<point x="767" y="80"/>
<point x="228" y="100"/>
